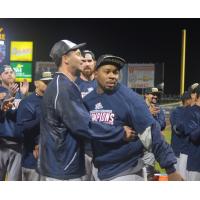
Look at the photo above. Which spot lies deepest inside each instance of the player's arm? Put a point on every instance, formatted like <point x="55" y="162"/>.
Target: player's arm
<point x="195" y="134"/>
<point x="161" y="119"/>
<point x="175" y="125"/>
<point x="150" y="135"/>
<point x="27" y="119"/>
<point x="191" y="127"/>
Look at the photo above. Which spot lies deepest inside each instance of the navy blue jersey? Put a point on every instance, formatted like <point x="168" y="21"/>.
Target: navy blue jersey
<point x="8" y="118"/>
<point x="122" y="107"/>
<point x="179" y="141"/>
<point x="28" y="123"/>
<point x="64" y="123"/>
<point x="85" y="86"/>
<point x="192" y="129"/>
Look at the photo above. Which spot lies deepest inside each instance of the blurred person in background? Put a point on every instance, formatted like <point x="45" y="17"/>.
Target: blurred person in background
<point x="87" y="83"/>
<point x="28" y="124"/>
<point x="10" y="141"/>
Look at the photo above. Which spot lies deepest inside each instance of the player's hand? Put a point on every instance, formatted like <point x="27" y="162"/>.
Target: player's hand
<point x="129" y="133"/>
<point x="154" y="110"/>
<point x="24" y="87"/>
<point x="13" y="89"/>
<point x="36" y="151"/>
<point x="175" y="176"/>
<point x="2" y="95"/>
<point x="7" y="104"/>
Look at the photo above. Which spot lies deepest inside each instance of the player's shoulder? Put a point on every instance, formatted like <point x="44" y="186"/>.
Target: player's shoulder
<point x="28" y="99"/>
<point x="130" y="94"/>
<point x="3" y="89"/>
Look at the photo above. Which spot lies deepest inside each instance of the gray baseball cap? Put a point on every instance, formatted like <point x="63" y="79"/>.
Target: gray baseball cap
<point x="63" y="47"/>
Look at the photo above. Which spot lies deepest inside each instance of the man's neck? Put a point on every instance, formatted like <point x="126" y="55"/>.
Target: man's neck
<point x="68" y="73"/>
<point x="5" y="85"/>
<point x="99" y="90"/>
<point x="85" y="78"/>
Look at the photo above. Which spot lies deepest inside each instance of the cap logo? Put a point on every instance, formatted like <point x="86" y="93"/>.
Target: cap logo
<point x="154" y="89"/>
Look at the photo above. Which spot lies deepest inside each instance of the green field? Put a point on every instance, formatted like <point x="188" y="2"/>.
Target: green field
<point x="167" y="135"/>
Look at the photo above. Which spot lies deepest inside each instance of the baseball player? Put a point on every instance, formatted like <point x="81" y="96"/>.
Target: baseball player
<point x="10" y="141"/>
<point x="115" y="104"/>
<point x="86" y="80"/>
<point x="192" y="130"/>
<point x="179" y="141"/>
<point x="192" y="90"/>
<point x="28" y="123"/>
<point x="151" y="99"/>
<point x="86" y="84"/>
<point x="65" y="121"/>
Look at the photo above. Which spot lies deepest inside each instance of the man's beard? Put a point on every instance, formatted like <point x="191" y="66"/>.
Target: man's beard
<point x="87" y="73"/>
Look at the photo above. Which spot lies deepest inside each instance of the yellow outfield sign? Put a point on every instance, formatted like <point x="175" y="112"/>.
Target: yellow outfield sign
<point x="23" y="79"/>
<point x="2" y="34"/>
<point x="21" y="51"/>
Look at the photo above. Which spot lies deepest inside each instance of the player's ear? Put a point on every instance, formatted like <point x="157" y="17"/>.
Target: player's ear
<point x="65" y="58"/>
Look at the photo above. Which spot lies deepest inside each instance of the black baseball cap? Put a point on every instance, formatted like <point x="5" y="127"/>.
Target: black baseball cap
<point x="110" y="59"/>
<point x="152" y="90"/>
<point x="63" y="47"/>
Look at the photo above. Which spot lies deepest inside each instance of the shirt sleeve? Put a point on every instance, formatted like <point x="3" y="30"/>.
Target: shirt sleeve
<point x="161" y="119"/>
<point x="139" y="116"/>
<point x="191" y="126"/>
<point x="27" y="118"/>
<point x="150" y="134"/>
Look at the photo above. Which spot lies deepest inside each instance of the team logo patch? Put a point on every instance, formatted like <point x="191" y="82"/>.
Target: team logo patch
<point x="98" y="106"/>
<point x="105" y="116"/>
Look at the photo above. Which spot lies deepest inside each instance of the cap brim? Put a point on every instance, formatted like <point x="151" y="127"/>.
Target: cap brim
<point x="78" y="46"/>
<point x="46" y="79"/>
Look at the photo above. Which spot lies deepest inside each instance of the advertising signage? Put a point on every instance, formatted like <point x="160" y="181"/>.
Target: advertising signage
<point x="21" y="51"/>
<point x="2" y="34"/>
<point x="141" y="75"/>
<point x="2" y="51"/>
<point x="2" y="45"/>
<point x="23" y="71"/>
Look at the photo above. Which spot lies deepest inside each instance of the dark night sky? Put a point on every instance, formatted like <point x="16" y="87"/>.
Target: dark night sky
<point x="136" y="40"/>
